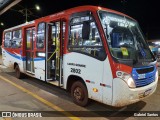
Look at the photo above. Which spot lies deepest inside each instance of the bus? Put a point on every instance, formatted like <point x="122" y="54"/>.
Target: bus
<point x="90" y="51"/>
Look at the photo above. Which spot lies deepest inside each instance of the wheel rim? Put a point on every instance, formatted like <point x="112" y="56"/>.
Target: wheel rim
<point x="78" y="94"/>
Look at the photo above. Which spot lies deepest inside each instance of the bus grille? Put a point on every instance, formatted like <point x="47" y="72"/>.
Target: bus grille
<point x="144" y="82"/>
<point x="149" y="73"/>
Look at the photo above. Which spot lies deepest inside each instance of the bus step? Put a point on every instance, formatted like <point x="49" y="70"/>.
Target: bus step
<point x="54" y="82"/>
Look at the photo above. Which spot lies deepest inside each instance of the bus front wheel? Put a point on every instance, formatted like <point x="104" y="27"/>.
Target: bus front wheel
<point x="18" y="73"/>
<point x="79" y="93"/>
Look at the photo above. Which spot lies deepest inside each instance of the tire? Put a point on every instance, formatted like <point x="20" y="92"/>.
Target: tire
<point x="19" y="75"/>
<point x="79" y="93"/>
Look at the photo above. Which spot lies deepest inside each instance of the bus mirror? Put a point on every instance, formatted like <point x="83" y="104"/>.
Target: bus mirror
<point x="85" y="30"/>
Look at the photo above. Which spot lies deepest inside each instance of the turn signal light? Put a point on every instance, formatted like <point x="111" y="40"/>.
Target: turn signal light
<point x="95" y="89"/>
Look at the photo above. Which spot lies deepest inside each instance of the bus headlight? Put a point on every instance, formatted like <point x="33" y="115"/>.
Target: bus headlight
<point x="130" y="82"/>
<point x="127" y="78"/>
<point x="156" y="75"/>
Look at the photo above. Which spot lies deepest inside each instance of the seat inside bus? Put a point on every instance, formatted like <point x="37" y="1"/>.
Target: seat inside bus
<point x="118" y="41"/>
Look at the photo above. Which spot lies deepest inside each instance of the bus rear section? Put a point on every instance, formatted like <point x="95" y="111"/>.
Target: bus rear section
<point x="12" y="48"/>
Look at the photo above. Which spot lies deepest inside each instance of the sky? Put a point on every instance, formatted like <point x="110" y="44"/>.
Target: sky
<point x="146" y="12"/>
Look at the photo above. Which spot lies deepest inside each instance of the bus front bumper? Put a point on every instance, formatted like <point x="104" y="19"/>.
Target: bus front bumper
<point x="123" y="95"/>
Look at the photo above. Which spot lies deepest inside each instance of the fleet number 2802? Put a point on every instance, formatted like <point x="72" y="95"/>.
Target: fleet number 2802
<point x="74" y="70"/>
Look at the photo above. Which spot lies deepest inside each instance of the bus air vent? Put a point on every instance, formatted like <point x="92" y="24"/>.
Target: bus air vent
<point x="145" y="70"/>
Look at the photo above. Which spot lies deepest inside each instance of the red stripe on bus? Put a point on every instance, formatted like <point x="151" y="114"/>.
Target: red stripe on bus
<point x="101" y="84"/>
<point x="88" y="81"/>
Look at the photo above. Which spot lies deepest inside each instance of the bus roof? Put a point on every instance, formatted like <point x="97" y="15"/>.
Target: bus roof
<point x="69" y="11"/>
<point x="82" y="8"/>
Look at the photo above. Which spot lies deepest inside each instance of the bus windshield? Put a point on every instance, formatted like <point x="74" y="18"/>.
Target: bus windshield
<point x="124" y="37"/>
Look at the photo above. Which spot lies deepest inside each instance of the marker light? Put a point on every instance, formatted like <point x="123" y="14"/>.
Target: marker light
<point x="99" y="8"/>
<point x="95" y="89"/>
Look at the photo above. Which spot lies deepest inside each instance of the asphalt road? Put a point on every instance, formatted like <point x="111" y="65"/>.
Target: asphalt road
<point x="30" y="94"/>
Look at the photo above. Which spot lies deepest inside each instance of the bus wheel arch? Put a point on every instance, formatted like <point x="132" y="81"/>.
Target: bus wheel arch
<point x="78" y="89"/>
<point x="15" y="64"/>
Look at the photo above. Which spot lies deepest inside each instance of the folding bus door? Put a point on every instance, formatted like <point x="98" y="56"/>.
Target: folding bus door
<point x="30" y="34"/>
<point x="54" y="51"/>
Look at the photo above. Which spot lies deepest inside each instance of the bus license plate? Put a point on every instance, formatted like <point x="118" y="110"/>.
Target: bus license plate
<point x="141" y="76"/>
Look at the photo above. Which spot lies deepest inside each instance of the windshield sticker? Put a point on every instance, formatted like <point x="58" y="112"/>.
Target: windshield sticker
<point x="124" y="51"/>
<point x="121" y="22"/>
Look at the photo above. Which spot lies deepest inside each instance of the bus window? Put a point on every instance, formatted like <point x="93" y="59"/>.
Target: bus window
<point x="124" y="37"/>
<point x="28" y="39"/>
<point x="17" y="34"/>
<point x="16" y="42"/>
<point x="7" y="39"/>
<point x="41" y="35"/>
<point x="85" y="37"/>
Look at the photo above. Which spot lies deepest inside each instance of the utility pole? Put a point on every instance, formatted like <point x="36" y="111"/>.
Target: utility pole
<point x="27" y="12"/>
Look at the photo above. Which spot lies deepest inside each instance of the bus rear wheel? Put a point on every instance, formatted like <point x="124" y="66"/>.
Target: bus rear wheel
<point x="18" y="73"/>
<point x="79" y="93"/>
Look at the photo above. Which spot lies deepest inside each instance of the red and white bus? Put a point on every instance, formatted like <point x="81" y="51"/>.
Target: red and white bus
<point x="93" y="52"/>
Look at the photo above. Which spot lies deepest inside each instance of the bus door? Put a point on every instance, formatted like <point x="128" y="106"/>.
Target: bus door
<point x="30" y="35"/>
<point x="54" y="51"/>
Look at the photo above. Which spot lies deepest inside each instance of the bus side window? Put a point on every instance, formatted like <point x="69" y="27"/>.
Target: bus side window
<point x="41" y="35"/>
<point x="17" y="37"/>
<point x="84" y="36"/>
<point x="7" y="39"/>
